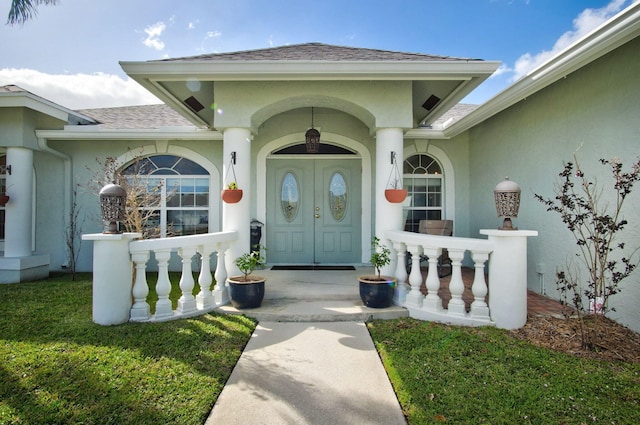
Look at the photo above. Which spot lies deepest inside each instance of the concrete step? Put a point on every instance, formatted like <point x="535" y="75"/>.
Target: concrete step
<point x="318" y="310"/>
<point x="314" y="296"/>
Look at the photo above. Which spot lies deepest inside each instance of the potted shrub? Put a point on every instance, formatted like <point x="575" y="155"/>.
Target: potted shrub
<point x="247" y="291"/>
<point x="231" y="194"/>
<point x="377" y="291"/>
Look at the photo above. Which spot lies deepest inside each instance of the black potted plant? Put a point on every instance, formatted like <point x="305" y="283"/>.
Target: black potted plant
<point x="247" y="291"/>
<point x="377" y="291"/>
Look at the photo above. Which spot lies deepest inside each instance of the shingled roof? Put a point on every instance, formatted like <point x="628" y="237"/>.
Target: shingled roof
<point x="137" y="117"/>
<point x="316" y="52"/>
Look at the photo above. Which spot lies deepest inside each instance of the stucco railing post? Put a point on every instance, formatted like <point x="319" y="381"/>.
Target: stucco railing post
<point x="205" y="299"/>
<point x="414" y="298"/>
<point x="432" y="301"/>
<point x="508" y="277"/>
<point x="402" y="288"/>
<point x="187" y="302"/>
<point x="220" y="291"/>
<point x="112" y="277"/>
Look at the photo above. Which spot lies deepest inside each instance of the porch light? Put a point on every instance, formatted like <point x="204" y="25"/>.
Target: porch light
<point x="113" y="199"/>
<point x="507" y="197"/>
<point x="312" y="138"/>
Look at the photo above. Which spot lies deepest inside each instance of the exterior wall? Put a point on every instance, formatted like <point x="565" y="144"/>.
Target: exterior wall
<point x="593" y="110"/>
<point x="84" y="166"/>
<point x="49" y="208"/>
<point x="377" y="104"/>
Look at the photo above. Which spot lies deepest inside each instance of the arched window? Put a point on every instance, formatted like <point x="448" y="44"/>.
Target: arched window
<point x="173" y="195"/>
<point x="423" y="180"/>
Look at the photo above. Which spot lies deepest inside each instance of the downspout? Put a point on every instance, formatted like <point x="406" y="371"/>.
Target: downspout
<point x="43" y="144"/>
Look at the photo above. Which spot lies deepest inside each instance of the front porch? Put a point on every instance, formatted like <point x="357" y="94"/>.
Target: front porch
<point x="313" y="296"/>
<point x="121" y="295"/>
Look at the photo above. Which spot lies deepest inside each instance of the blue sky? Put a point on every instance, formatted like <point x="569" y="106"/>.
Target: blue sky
<point x="70" y="52"/>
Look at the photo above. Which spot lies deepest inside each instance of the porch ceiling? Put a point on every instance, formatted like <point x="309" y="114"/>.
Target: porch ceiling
<point x="187" y="84"/>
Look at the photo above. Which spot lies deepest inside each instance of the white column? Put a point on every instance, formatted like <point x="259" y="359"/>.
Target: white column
<point x="237" y="216"/>
<point x="388" y="215"/>
<point x="508" y="277"/>
<point x="112" y="277"/>
<point x="19" y="209"/>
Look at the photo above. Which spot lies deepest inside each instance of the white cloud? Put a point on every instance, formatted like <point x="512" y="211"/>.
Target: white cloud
<point x="587" y="21"/>
<point x="153" y="35"/>
<point x="79" y="91"/>
<point x="213" y="34"/>
<point x="502" y="69"/>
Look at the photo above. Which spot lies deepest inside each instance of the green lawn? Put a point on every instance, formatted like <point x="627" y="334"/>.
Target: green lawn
<point x="57" y="366"/>
<point x="485" y="376"/>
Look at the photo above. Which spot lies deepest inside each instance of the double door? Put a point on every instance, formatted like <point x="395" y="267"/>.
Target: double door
<point x="313" y="210"/>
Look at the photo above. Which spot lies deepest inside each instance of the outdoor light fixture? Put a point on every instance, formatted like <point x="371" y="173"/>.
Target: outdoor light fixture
<point x="312" y="138"/>
<point x="112" y="202"/>
<point x="507" y="197"/>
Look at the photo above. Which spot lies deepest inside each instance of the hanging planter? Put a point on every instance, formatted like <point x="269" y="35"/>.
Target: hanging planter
<point x="232" y="195"/>
<point x="394" y="192"/>
<point x="3" y="200"/>
<point x="395" y="196"/>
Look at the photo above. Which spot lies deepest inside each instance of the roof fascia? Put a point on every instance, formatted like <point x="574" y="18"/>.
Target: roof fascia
<point x="84" y="133"/>
<point x="617" y="31"/>
<point x="309" y="70"/>
<point x="429" y="133"/>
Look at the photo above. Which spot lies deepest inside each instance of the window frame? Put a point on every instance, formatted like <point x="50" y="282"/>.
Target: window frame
<point x="431" y="170"/>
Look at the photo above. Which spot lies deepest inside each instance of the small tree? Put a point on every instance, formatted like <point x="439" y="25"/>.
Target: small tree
<point x="73" y="234"/>
<point x="380" y="256"/>
<point x="595" y="226"/>
<point x="248" y="262"/>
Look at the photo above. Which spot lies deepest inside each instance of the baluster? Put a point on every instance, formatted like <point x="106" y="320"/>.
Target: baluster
<point x="432" y="301"/>
<point x="479" y="307"/>
<point x="456" y="286"/>
<point x="400" y="294"/>
<point x="140" y="309"/>
<point x="204" y="298"/>
<point x="414" y="297"/>
<point x="220" y="291"/>
<point x="187" y="302"/>
<point x="163" y="287"/>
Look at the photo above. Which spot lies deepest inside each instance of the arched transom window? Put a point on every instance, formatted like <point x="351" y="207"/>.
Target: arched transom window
<point x="174" y="195"/>
<point x="423" y="180"/>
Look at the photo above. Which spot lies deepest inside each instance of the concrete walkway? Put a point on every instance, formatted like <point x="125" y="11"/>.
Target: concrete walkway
<point x="308" y="373"/>
<point x="311" y="359"/>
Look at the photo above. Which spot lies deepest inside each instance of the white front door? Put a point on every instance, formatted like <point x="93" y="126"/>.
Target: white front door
<point x="313" y="210"/>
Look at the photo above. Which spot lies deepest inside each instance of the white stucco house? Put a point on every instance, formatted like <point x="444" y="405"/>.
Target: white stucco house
<point x="254" y="108"/>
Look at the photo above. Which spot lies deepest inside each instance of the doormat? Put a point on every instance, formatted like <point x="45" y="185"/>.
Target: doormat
<point x="313" y="267"/>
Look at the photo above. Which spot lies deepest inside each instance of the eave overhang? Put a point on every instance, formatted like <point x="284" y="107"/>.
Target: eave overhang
<point x="25" y="99"/>
<point x="462" y="75"/>
<point x="88" y="133"/>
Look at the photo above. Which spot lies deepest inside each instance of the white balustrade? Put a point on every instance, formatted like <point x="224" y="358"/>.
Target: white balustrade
<point x="186" y="247"/>
<point x="430" y="306"/>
